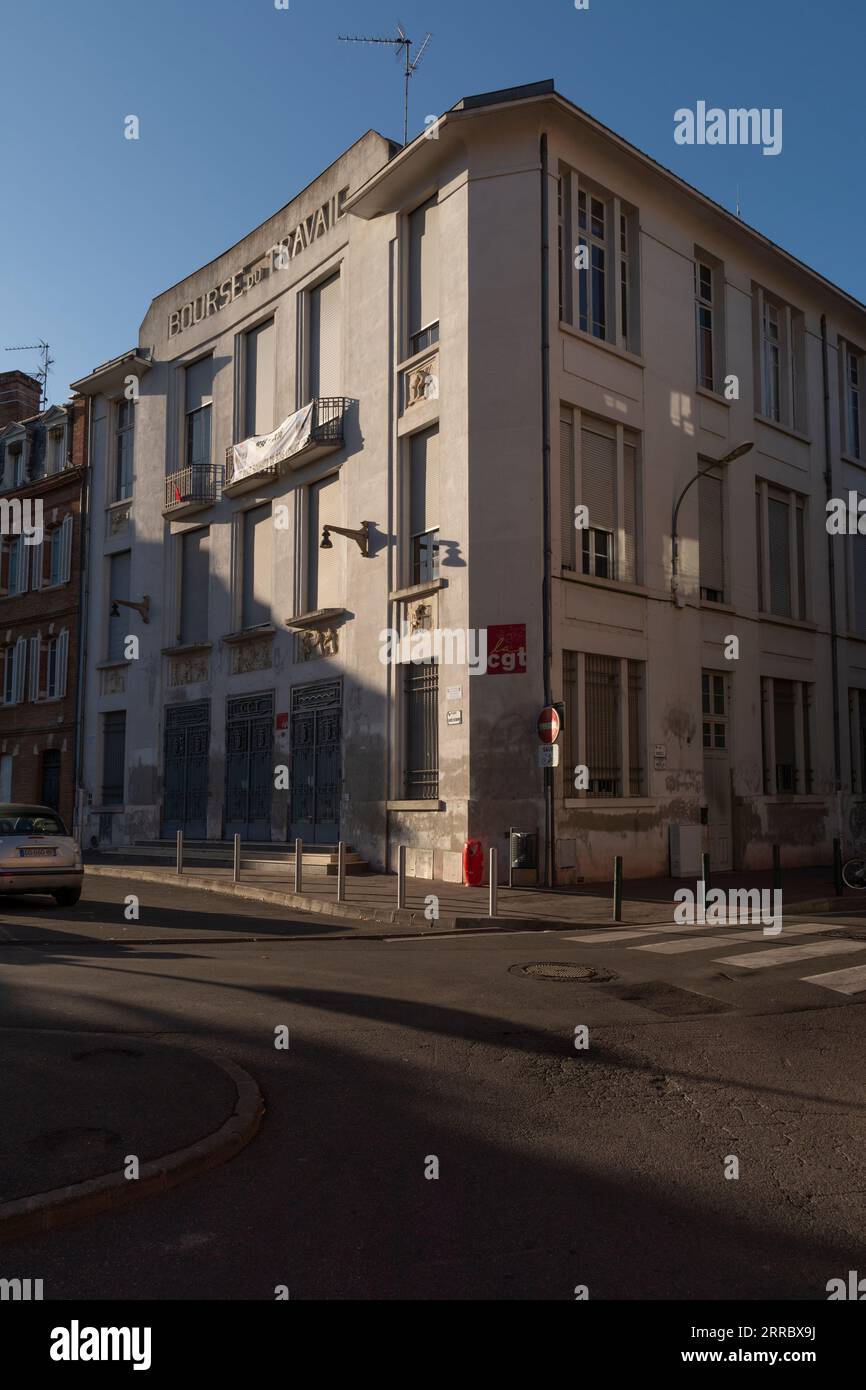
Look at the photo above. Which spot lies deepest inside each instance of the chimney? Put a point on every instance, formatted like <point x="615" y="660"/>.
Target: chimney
<point x="20" y="395"/>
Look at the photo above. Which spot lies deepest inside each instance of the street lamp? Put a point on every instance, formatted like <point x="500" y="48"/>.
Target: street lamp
<point x="734" y="454"/>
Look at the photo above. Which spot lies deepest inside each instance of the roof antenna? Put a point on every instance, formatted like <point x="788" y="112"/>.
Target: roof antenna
<point x="401" y="41"/>
<point x="41" y="374"/>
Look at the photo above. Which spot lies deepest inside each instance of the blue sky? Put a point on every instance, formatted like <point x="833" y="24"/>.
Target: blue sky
<point x="240" y="105"/>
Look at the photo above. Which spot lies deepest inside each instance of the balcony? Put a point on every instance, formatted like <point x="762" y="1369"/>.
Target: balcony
<point x="191" y="489"/>
<point x="313" y="431"/>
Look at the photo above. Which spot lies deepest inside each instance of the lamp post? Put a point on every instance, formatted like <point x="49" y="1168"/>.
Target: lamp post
<point x="730" y="457"/>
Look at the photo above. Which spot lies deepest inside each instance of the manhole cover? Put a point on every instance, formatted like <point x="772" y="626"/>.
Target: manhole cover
<point x="559" y="970"/>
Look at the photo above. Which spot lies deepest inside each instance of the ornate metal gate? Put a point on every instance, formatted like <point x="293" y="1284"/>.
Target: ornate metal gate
<point x="187" y="740"/>
<point x="249" y="766"/>
<point x="317" y="762"/>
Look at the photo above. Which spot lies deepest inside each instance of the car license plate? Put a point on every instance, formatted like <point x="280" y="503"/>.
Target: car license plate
<point x="34" y="853"/>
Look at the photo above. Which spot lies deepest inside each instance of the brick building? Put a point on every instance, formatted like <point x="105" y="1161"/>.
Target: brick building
<point x="42" y="472"/>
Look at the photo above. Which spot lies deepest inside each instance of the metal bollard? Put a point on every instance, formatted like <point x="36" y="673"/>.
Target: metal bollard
<point x="299" y="865"/>
<point x="493" y="875"/>
<point x="617" y="888"/>
<point x="705" y="871"/>
<point x="236" y="865"/>
<point x="341" y="872"/>
<point x="777" y="868"/>
<point x="401" y="875"/>
<point x="180" y="851"/>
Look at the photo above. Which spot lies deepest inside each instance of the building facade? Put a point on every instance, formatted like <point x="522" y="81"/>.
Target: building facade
<point x="43" y="463"/>
<point x="404" y="465"/>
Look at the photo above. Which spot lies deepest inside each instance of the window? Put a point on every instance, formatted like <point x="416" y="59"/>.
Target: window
<point x="605" y="723"/>
<point x="36" y="453"/>
<point x="259" y="380"/>
<point x="606" y="261"/>
<point x="48" y="664"/>
<point x="712" y="536"/>
<point x="52" y="558"/>
<point x="199" y="403"/>
<point x="781" y="335"/>
<point x="709" y="321"/>
<point x="57" y="449"/>
<point x="854" y="366"/>
<point x="424" y="505"/>
<point x="14" y="668"/>
<point x="423" y="289"/>
<point x="325" y="343"/>
<point x="258" y="566"/>
<point x="603" y="479"/>
<point x="786" y="729"/>
<point x="113" y="757"/>
<point x="118" y="616"/>
<point x="16" y="452"/>
<point x="781" y="521"/>
<point x="422" y="731"/>
<point x="194" y="585"/>
<point x="124" y="438"/>
<point x="714" y="708"/>
<point x="325" y="568"/>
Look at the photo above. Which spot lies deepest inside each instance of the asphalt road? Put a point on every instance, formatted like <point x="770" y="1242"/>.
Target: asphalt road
<point x="558" y="1167"/>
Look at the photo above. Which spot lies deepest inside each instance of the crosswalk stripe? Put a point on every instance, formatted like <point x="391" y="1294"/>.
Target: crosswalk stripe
<point x="783" y="955"/>
<point x="691" y="943"/>
<point x="612" y="934"/>
<point x="850" y="981"/>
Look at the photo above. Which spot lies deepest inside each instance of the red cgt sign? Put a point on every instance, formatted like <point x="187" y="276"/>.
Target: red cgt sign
<point x="506" y="650"/>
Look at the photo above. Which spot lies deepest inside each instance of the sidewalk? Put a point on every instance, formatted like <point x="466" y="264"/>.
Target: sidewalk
<point x="76" y="1105"/>
<point x="372" y="898"/>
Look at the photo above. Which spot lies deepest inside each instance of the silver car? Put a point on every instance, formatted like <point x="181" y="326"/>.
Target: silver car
<point x="38" y="855"/>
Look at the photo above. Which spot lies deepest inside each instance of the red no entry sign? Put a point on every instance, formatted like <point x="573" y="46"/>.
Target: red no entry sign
<point x="548" y="725"/>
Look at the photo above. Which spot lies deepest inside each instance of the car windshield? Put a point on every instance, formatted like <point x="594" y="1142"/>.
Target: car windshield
<point x="41" y="823"/>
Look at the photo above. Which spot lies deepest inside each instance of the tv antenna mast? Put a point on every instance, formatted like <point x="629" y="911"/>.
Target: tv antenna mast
<point x="41" y="374"/>
<point x="402" y="41"/>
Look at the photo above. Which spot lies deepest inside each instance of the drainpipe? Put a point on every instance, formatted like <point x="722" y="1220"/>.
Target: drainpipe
<point x="831" y="568"/>
<point x="83" y="605"/>
<point x="546" y="616"/>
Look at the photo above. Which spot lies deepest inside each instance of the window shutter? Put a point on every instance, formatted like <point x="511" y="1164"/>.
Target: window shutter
<point x="780" y="557"/>
<point x="859" y="623"/>
<point x="36" y="563"/>
<point x="598" y="478"/>
<point x="259" y="381"/>
<point x="566" y="487"/>
<point x="424" y="482"/>
<point x="20" y="665"/>
<point x="35" y="651"/>
<point x="62" y="662"/>
<point x="710" y="514"/>
<point x="66" y="550"/>
<point x="22" y="566"/>
<point x="629" y="511"/>
<point x="325" y="339"/>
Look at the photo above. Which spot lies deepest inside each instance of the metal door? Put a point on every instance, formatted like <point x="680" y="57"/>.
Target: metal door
<point x="317" y="762"/>
<point x="249" y="766"/>
<point x="187" y="743"/>
<point x="717" y="766"/>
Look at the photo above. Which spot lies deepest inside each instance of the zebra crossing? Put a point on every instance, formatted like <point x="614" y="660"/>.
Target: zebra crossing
<point x="775" y="951"/>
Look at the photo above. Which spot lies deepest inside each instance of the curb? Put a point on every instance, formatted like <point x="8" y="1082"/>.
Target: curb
<point x="62" y="1205"/>
<point x="390" y="916"/>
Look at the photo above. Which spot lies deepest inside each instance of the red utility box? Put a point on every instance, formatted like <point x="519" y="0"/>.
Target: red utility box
<point x="473" y="864"/>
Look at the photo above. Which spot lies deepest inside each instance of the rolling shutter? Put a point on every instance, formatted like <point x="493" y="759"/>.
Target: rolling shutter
<point x="598" y="477"/>
<point x="36" y="567"/>
<point x="629" y="512"/>
<point x="424" y="483"/>
<point x="780" y="557"/>
<point x="423" y="267"/>
<point x="259" y="380"/>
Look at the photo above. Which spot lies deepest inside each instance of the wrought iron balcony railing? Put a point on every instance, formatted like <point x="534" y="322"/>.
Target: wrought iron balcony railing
<point x="191" y="488"/>
<point x="324" y="433"/>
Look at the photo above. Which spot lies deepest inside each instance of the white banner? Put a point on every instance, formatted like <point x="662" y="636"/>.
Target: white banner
<point x="263" y="450"/>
